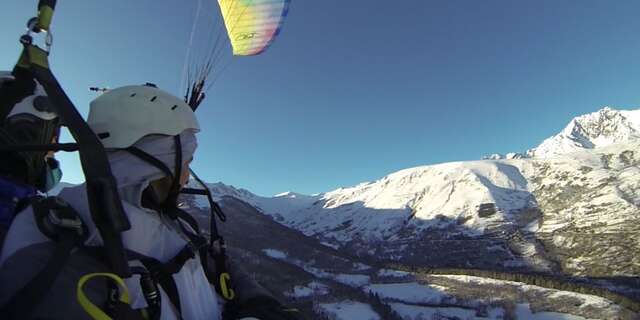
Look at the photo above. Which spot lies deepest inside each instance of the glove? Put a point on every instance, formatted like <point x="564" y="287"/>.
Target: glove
<point x="261" y="308"/>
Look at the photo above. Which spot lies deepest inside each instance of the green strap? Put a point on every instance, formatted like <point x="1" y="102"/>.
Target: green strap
<point x="37" y="56"/>
<point x="45" y="14"/>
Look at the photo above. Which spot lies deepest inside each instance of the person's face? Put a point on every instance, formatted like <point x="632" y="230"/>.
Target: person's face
<point x="51" y="154"/>
<point x="184" y="176"/>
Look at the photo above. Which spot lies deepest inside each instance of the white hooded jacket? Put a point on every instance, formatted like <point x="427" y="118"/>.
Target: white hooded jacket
<point x="151" y="234"/>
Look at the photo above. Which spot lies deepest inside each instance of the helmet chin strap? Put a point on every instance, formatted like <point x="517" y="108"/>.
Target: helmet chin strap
<point x="171" y="201"/>
<point x="174" y="192"/>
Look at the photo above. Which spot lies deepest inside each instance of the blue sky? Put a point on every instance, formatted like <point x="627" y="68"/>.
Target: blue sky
<point x="354" y="90"/>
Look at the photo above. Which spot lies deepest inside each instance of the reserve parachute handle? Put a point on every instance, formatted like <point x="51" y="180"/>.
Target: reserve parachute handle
<point x="104" y="200"/>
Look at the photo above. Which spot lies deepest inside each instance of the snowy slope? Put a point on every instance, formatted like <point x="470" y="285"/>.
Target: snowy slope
<point x="598" y="129"/>
<point x="425" y="197"/>
<point x="284" y="203"/>
<point x="591" y="204"/>
<point x="538" y="213"/>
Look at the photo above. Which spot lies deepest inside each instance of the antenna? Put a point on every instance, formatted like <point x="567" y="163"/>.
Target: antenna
<point x="98" y="89"/>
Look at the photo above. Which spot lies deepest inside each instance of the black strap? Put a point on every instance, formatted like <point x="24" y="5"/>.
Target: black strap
<point x="177" y="213"/>
<point x="150" y="159"/>
<point x="217" y="247"/>
<point x="174" y="190"/>
<point x="212" y="204"/>
<point x="165" y="280"/>
<point x="168" y="284"/>
<point x="12" y="146"/>
<point x="162" y="273"/>
<point x="159" y="272"/>
<point x="104" y="201"/>
<point x="198" y="243"/>
<point x="172" y="200"/>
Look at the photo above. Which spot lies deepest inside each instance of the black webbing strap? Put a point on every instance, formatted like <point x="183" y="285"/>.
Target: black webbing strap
<point x="150" y="159"/>
<point x="104" y="202"/>
<point x="68" y="147"/>
<point x="172" y="200"/>
<point x="160" y="276"/>
<point x="174" y="190"/>
<point x="199" y="243"/>
<point x="25" y="301"/>
<point x="217" y="246"/>
<point x="177" y="213"/>
<point x="215" y="208"/>
<point x="161" y="273"/>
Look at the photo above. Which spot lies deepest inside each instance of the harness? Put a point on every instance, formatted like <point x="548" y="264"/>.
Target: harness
<point x="215" y="246"/>
<point x="61" y="223"/>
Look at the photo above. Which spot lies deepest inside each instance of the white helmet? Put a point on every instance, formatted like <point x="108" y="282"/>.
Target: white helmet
<point x="33" y="104"/>
<point x="122" y="116"/>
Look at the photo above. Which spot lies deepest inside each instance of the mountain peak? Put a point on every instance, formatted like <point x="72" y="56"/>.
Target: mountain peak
<point x="598" y="129"/>
<point x="291" y="195"/>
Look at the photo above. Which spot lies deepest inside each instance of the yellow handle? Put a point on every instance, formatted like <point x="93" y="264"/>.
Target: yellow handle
<point x="91" y="308"/>
<point x="227" y="292"/>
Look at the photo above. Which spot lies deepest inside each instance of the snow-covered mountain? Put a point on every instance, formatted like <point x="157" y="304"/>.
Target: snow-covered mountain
<point x="574" y="207"/>
<point x="598" y="129"/>
<point x="331" y="284"/>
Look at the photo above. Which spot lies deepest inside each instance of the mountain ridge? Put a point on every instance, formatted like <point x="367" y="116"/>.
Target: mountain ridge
<point x="519" y="211"/>
<point x="597" y="129"/>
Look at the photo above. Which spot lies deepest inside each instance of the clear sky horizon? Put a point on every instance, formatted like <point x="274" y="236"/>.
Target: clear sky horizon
<point x="353" y="90"/>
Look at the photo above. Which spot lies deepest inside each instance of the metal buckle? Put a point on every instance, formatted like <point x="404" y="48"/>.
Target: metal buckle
<point x="27" y="37"/>
<point x="68" y="223"/>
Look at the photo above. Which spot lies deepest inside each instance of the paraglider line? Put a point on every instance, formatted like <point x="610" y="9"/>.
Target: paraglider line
<point x="191" y="36"/>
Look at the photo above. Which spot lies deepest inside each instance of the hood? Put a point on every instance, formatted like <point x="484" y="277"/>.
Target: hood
<point x="133" y="174"/>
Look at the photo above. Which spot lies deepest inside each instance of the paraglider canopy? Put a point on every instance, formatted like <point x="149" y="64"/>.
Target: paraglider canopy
<point x="252" y="24"/>
<point x="251" y="27"/>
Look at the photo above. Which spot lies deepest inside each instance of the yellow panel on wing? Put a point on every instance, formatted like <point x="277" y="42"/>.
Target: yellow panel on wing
<point x="252" y="24"/>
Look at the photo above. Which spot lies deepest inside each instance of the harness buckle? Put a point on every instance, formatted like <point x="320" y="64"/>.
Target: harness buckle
<point x="33" y="26"/>
<point x="74" y="223"/>
<point x="53" y="215"/>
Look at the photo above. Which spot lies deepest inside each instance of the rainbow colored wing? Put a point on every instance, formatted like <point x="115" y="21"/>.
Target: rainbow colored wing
<point x="252" y="24"/>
